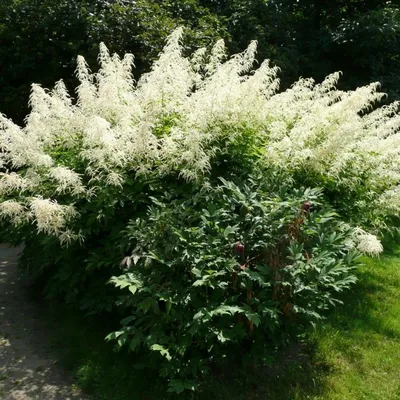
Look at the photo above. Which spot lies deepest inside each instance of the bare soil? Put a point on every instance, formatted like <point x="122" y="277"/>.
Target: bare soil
<point x="28" y="365"/>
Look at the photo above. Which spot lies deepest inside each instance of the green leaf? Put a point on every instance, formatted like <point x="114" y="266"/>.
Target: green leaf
<point x="163" y="351"/>
<point x="203" y="315"/>
<point x="221" y="337"/>
<point x="178" y="386"/>
<point x="135" y="342"/>
<point x="229" y="230"/>
<point x="168" y="306"/>
<point x="227" y="310"/>
<point x="127" y="320"/>
<point x="133" y="288"/>
<point x="253" y="317"/>
<point x="114" y="335"/>
<point x="147" y="304"/>
<point x="196" y="272"/>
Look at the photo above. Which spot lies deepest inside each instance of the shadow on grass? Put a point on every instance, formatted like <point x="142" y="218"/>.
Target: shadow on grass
<point x="295" y="374"/>
<point x="361" y="313"/>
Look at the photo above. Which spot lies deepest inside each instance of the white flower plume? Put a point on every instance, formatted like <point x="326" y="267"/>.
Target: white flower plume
<point x="175" y="117"/>
<point x="367" y="243"/>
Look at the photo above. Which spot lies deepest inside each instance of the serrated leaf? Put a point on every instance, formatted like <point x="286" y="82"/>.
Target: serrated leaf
<point x="226" y="310"/>
<point x="253" y="317"/>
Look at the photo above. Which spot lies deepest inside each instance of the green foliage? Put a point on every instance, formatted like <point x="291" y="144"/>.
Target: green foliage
<point x="360" y="340"/>
<point x="192" y="296"/>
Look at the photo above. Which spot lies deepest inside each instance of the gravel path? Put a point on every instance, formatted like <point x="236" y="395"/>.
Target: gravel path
<point x="28" y="367"/>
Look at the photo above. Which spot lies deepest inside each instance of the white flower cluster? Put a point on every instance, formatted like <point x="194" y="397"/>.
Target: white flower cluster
<point x="12" y="182"/>
<point x="172" y="118"/>
<point x="67" y="180"/>
<point x="367" y="243"/>
<point x="50" y="216"/>
<point x="12" y="210"/>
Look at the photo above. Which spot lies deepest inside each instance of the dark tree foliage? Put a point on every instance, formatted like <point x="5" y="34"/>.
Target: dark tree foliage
<point x="315" y="37"/>
<point x="41" y="38"/>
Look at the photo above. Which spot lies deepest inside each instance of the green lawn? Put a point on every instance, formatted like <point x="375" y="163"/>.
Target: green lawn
<point x="361" y="343"/>
<point x="356" y="355"/>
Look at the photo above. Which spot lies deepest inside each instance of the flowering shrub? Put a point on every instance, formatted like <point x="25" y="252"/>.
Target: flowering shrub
<point x="194" y="178"/>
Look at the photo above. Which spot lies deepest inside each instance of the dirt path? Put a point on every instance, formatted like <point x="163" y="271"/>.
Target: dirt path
<point x="28" y="367"/>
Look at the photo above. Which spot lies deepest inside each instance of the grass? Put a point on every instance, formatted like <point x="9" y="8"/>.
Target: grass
<point x="354" y="355"/>
<point x="361" y="342"/>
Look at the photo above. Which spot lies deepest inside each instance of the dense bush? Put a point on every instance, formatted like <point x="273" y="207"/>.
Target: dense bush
<point x="229" y="215"/>
<point x="219" y="274"/>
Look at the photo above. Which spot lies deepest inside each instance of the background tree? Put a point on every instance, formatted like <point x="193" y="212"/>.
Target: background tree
<point x="304" y="37"/>
<point x="32" y="32"/>
<point x="317" y="37"/>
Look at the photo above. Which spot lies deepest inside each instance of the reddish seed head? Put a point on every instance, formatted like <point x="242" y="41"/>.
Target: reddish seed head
<point x="239" y="248"/>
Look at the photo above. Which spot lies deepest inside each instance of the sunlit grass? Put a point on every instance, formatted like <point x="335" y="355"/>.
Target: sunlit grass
<point x="361" y="341"/>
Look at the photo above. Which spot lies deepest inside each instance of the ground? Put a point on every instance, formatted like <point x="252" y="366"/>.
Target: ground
<point x="29" y="368"/>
